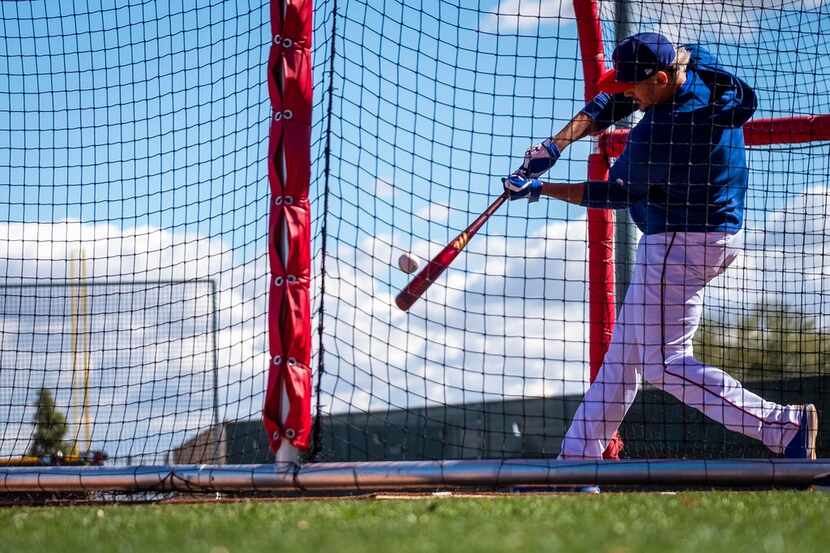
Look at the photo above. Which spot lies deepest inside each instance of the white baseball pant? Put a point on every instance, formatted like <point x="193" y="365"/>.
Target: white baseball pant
<point x="653" y="339"/>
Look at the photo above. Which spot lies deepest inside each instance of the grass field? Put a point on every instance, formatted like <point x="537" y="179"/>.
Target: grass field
<point x="700" y="522"/>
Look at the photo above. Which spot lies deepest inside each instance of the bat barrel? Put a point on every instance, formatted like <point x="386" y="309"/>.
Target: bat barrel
<point x="404" y="300"/>
<point x="424" y="279"/>
<point x="440" y="262"/>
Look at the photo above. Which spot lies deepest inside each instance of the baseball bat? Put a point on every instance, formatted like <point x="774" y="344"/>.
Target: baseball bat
<point x="424" y="279"/>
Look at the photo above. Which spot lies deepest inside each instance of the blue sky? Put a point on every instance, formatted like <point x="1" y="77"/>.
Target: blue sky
<point x="135" y="115"/>
<point x="156" y="114"/>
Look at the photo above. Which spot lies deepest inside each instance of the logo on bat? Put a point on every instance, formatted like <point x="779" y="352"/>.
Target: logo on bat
<point x="461" y="241"/>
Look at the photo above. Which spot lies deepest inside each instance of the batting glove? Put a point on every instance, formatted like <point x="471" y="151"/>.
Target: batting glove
<point x="540" y="158"/>
<point x="520" y="187"/>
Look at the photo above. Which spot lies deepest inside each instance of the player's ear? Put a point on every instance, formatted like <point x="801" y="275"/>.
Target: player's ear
<point x="661" y="78"/>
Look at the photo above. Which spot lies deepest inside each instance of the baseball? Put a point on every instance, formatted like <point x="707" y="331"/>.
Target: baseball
<point x="407" y="263"/>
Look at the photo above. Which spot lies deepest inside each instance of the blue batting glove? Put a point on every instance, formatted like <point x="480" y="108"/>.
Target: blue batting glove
<point x="520" y="187"/>
<point x="540" y="158"/>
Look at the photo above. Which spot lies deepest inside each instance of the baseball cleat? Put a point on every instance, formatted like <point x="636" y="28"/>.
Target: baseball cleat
<point x="803" y="444"/>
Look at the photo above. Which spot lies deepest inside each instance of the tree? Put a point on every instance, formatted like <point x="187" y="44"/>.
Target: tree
<point x="772" y="341"/>
<point x="50" y="427"/>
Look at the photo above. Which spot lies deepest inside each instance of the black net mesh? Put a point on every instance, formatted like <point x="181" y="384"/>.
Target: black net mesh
<point x="133" y="208"/>
<point x="432" y="103"/>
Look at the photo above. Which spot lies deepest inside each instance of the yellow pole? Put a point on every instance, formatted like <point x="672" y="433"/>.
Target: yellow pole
<point x="79" y="313"/>
<point x="84" y="311"/>
<point x="73" y="314"/>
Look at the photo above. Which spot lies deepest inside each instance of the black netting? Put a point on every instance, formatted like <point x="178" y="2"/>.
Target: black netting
<point x="432" y="103"/>
<point x="133" y="222"/>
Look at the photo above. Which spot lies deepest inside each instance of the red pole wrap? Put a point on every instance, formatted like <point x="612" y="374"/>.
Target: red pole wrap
<point x="758" y="132"/>
<point x="289" y="227"/>
<point x="600" y="221"/>
<point x="601" y="278"/>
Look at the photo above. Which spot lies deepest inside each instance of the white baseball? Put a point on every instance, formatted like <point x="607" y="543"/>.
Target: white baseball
<point x="407" y="263"/>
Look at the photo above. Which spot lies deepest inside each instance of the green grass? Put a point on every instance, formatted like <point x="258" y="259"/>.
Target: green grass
<point x="700" y="522"/>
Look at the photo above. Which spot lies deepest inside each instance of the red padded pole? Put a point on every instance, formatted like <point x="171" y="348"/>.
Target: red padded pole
<point x="787" y="130"/>
<point x="286" y="412"/>
<point x="601" y="278"/>
<point x="590" y="44"/>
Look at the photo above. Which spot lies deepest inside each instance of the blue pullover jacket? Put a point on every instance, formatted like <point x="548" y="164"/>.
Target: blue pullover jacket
<point x="684" y="167"/>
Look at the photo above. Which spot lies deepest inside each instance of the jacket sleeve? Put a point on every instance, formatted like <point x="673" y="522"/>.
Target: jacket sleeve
<point x="610" y="194"/>
<point x="606" y="109"/>
<point x="635" y="176"/>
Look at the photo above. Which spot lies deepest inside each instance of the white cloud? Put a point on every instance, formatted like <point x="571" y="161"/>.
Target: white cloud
<point x="151" y="346"/>
<point x="384" y="188"/>
<point x="509" y="318"/>
<point x="434" y="212"/>
<point x="506" y="320"/>
<point x="715" y="21"/>
<point x="523" y="15"/>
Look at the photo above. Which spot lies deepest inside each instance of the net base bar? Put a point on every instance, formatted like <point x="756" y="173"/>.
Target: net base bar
<point x="368" y="476"/>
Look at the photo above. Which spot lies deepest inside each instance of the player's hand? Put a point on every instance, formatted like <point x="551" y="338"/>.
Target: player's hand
<point x="520" y="187"/>
<point x="540" y="158"/>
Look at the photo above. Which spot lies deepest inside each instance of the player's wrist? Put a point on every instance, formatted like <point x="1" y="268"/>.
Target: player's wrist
<point x="553" y="148"/>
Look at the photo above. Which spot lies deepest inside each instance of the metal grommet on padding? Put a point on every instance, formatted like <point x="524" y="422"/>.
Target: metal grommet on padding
<point x="291" y="279"/>
<point x="278" y="281"/>
<point x="278" y="200"/>
<point x="275" y="435"/>
<point x="277" y="40"/>
<point x="287" y="43"/>
<point x="277" y="359"/>
<point x="277" y="115"/>
<point x="291" y="361"/>
<point x="288" y="200"/>
<point x="287" y="113"/>
<point x="289" y="433"/>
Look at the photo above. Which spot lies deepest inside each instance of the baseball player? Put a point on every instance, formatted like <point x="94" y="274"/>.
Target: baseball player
<point x="683" y="178"/>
